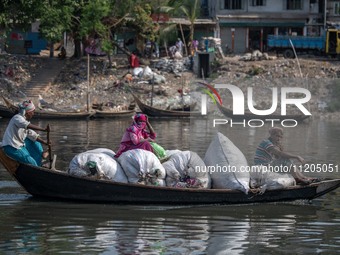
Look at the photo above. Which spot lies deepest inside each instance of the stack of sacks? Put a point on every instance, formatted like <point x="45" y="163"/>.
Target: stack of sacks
<point x="263" y="179"/>
<point x="227" y="165"/>
<point x="188" y="162"/>
<point x="143" y="167"/>
<point x="106" y="166"/>
<point x="171" y="152"/>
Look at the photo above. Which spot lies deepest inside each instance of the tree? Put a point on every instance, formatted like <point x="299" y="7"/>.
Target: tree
<point x="55" y="16"/>
<point x="18" y="13"/>
<point x="60" y="16"/>
<point x="103" y="18"/>
<point x="189" y="8"/>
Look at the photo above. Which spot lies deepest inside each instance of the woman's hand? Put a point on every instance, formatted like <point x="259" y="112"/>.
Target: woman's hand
<point x="150" y="140"/>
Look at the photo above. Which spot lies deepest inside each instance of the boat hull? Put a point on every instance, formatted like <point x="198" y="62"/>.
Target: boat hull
<point x="112" y="115"/>
<point x="57" y="184"/>
<point x="6" y="113"/>
<point x="155" y="112"/>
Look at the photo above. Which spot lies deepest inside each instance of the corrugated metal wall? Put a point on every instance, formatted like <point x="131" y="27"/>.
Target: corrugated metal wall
<point x="239" y="39"/>
<point x="226" y="37"/>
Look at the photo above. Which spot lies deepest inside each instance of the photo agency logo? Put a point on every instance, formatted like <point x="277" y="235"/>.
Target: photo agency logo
<point x="238" y="106"/>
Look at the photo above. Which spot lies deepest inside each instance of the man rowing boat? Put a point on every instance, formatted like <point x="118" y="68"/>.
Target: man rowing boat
<point x="20" y="142"/>
<point x="267" y="155"/>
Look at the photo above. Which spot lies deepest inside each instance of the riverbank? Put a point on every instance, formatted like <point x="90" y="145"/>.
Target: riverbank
<point x="115" y="85"/>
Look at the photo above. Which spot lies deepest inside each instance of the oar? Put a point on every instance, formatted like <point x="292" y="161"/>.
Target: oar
<point x="49" y="146"/>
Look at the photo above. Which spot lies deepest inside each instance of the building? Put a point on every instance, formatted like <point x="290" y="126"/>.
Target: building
<point x="245" y="24"/>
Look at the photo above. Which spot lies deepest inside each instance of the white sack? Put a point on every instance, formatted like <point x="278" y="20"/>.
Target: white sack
<point x="157" y="79"/>
<point x="108" y="152"/>
<point x="107" y="167"/>
<point x="136" y="163"/>
<point x="177" y="55"/>
<point x="171" y="152"/>
<point x="221" y="155"/>
<point x="190" y="162"/>
<point x="147" y="72"/>
<point x="263" y="179"/>
<point x="137" y="70"/>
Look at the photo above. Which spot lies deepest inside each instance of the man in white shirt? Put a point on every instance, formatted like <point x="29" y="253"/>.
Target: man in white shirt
<point x="20" y="142"/>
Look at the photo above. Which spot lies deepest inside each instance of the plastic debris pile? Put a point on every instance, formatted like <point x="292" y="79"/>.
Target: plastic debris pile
<point x="175" y="66"/>
<point x="15" y="72"/>
<point x="256" y="56"/>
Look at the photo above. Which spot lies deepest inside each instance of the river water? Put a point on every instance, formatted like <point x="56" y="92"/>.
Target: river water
<point x="38" y="226"/>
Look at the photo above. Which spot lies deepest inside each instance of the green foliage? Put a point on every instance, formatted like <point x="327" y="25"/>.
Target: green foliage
<point x="256" y="70"/>
<point x="216" y="63"/>
<point x="334" y="104"/>
<point x="142" y="22"/>
<point x="188" y="8"/>
<point x="213" y="75"/>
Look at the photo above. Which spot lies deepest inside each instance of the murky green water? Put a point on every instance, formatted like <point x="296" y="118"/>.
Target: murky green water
<point x="40" y="226"/>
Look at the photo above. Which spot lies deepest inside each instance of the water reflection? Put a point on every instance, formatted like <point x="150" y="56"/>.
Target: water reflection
<point x="39" y="226"/>
<point x="95" y="229"/>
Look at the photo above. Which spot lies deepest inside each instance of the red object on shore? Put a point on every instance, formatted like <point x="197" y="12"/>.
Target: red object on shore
<point x="134" y="61"/>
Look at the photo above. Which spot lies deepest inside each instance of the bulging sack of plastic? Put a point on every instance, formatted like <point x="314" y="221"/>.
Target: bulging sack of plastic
<point x="227" y="165"/>
<point x="177" y="55"/>
<point x="106" y="166"/>
<point x="106" y="151"/>
<point x="147" y="72"/>
<point x="263" y="179"/>
<point x="171" y="152"/>
<point x="157" y="79"/>
<point x="184" y="164"/>
<point x="137" y="70"/>
<point x="142" y="166"/>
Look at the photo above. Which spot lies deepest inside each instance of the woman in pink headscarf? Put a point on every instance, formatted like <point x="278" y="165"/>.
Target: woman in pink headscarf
<point x="136" y="136"/>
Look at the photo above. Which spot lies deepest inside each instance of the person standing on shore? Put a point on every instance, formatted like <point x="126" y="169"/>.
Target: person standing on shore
<point x="180" y="46"/>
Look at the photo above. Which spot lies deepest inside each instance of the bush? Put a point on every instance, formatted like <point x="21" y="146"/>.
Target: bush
<point x="213" y="75"/>
<point x="334" y="104"/>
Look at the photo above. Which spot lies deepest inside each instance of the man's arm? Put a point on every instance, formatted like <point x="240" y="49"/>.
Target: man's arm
<point x="282" y="154"/>
<point x="31" y="126"/>
<point x="42" y="141"/>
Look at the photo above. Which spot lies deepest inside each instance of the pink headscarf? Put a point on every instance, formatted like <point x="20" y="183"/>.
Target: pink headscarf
<point x="137" y="128"/>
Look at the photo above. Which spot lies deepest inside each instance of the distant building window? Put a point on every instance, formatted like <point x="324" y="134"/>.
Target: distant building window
<point x="337" y="8"/>
<point x="232" y="4"/>
<point x="293" y="4"/>
<point x="257" y="2"/>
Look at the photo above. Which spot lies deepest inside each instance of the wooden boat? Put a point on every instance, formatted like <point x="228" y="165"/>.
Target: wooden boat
<point x="5" y="112"/>
<point x="248" y="116"/>
<point x="43" y="182"/>
<point x="114" y="114"/>
<point x="127" y="111"/>
<point x="190" y="107"/>
<point x="8" y="112"/>
<point x="155" y="112"/>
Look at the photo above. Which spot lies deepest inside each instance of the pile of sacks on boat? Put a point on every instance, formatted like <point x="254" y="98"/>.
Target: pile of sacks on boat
<point x="224" y="167"/>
